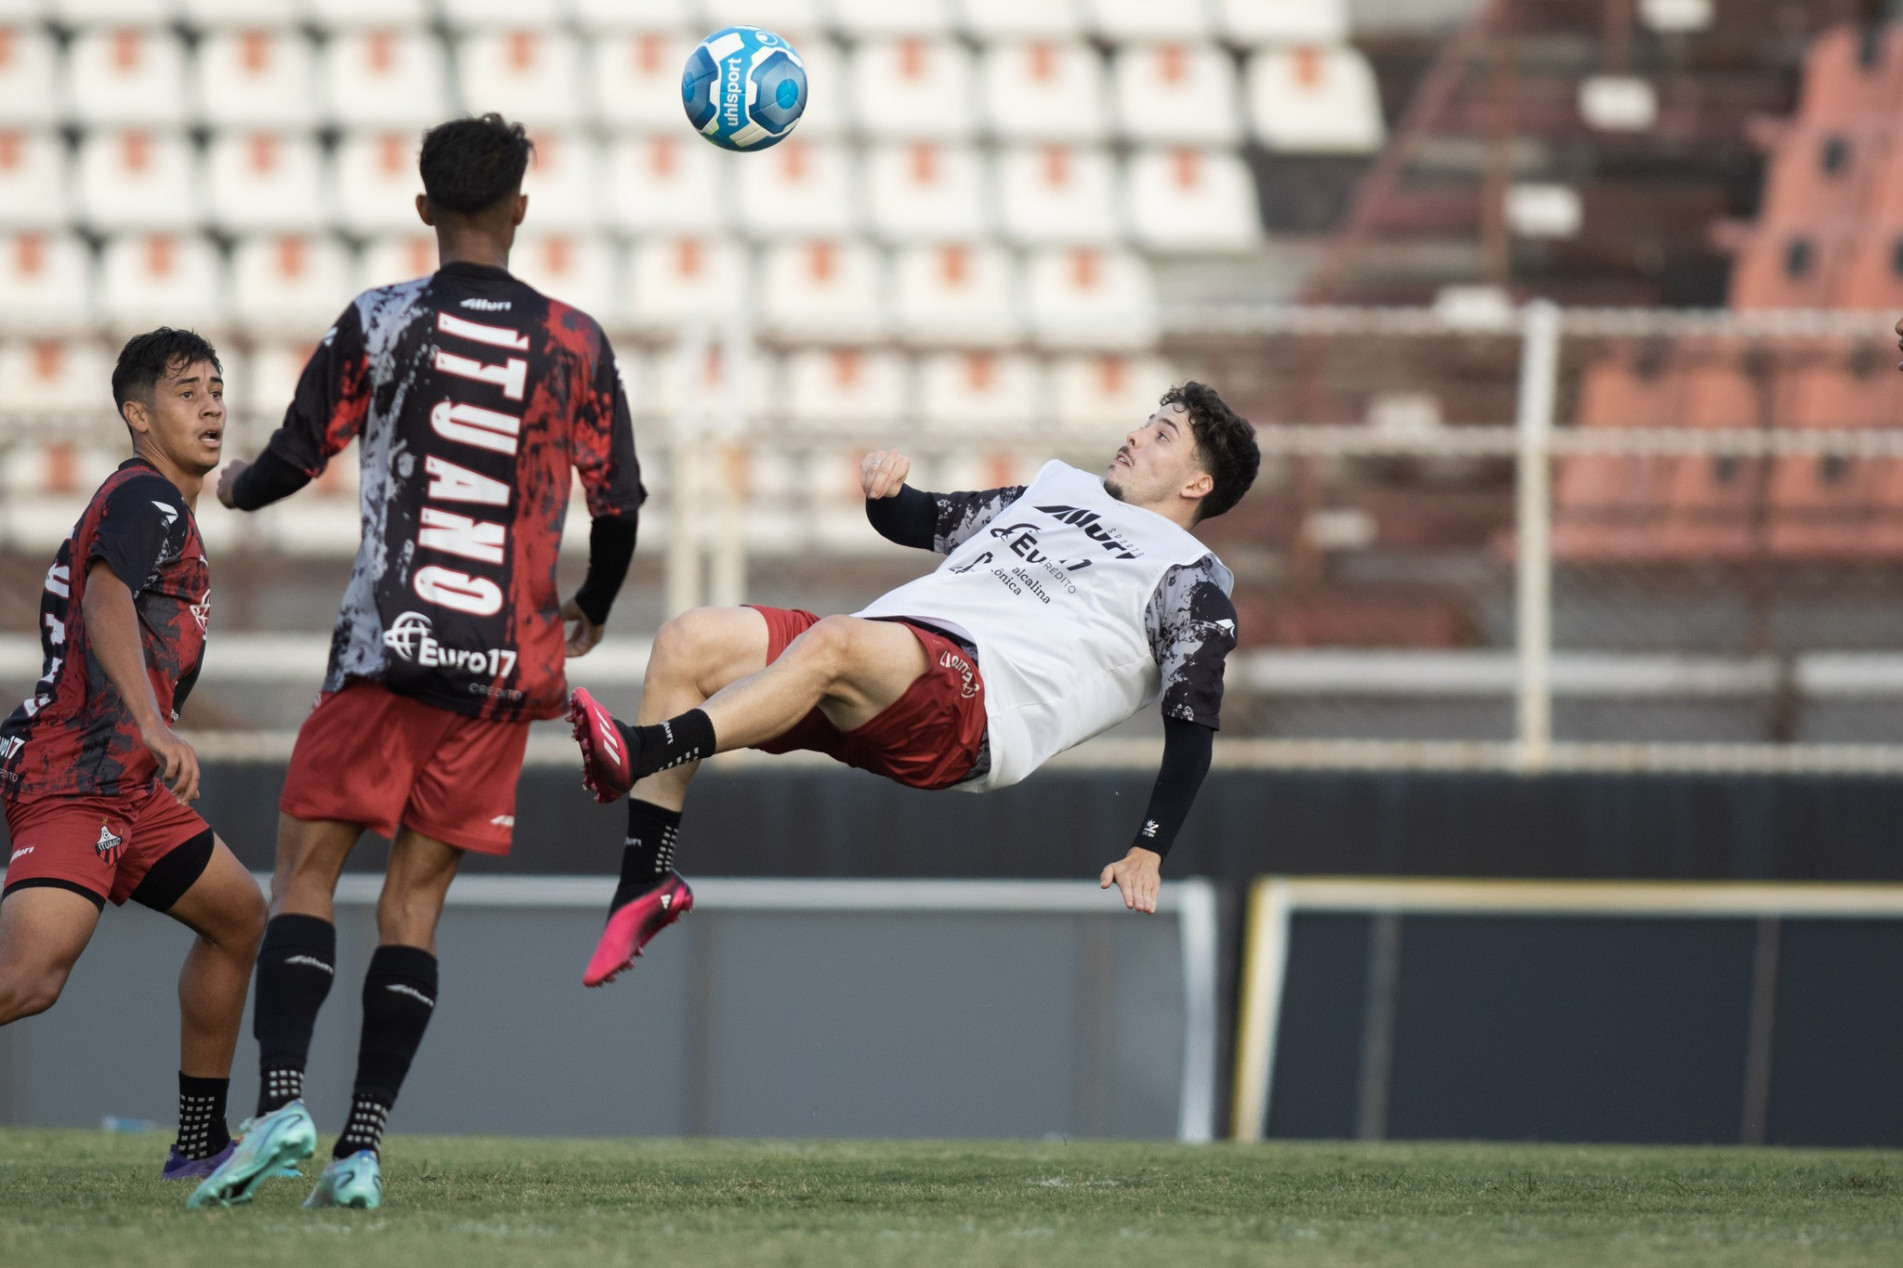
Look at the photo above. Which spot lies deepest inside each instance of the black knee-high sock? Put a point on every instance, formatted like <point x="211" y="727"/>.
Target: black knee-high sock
<point x="296" y="966"/>
<point x="686" y="737"/>
<point x="399" y="994"/>
<point x="202" y="1131"/>
<point x="649" y="850"/>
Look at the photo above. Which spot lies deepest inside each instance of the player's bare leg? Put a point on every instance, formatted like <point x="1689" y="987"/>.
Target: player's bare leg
<point x="43" y="929"/>
<point x="694" y="656"/>
<point x="223" y="907"/>
<point x="311" y="856"/>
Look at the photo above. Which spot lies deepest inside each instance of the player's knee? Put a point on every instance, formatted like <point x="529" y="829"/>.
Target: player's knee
<point x="829" y="648"/>
<point x="25" y="992"/>
<point x="683" y="644"/>
<point x="246" y="921"/>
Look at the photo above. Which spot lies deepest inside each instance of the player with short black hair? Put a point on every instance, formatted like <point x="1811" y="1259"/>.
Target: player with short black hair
<point x="1061" y="608"/>
<point x="475" y="401"/>
<point x="97" y="786"/>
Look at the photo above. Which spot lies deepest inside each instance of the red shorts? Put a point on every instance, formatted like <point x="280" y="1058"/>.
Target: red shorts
<point x="367" y="755"/>
<point x="102" y="846"/>
<point x="930" y="737"/>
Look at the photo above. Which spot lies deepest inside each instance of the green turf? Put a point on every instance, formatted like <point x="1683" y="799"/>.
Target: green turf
<point x="91" y="1198"/>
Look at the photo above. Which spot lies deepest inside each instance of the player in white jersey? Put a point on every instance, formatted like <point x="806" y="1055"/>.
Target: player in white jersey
<point x="1061" y="608"/>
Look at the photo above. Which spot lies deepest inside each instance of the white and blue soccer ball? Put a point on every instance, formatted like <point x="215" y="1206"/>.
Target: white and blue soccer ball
<point x="744" y="88"/>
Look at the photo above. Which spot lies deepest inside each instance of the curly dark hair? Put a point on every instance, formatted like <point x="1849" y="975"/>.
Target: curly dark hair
<point x="149" y="357"/>
<point x="1225" y="445"/>
<point x="470" y="165"/>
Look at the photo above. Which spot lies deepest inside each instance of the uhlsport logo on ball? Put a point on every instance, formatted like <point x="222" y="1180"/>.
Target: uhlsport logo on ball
<point x="744" y="88"/>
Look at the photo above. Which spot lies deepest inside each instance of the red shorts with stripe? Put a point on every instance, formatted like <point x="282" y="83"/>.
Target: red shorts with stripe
<point x="367" y="755"/>
<point x="930" y="737"/>
<point x="102" y="845"/>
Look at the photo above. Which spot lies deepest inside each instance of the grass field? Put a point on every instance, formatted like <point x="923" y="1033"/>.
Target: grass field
<point x="92" y="1198"/>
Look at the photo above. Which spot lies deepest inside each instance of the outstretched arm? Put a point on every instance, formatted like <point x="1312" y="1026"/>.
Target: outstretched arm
<point x="938" y="522"/>
<point x="1138" y="875"/>
<point x="325" y="414"/>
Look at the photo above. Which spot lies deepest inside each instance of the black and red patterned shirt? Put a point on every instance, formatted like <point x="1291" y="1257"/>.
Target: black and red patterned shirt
<point x="474" y="397"/>
<point x="75" y="736"/>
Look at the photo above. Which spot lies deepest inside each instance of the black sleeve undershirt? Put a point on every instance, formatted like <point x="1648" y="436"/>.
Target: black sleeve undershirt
<point x="610" y="548"/>
<point x="1187" y="747"/>
<point x="910" y="518"/>
<point x="269" y="479"/>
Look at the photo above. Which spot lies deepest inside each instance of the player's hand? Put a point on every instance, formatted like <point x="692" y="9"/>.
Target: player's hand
<point x="228" y="482"/>
<point x="178" y="763"/>
<point x="882" y="473"/>
<point x="583" y="633"/>
<point x="1138" y="876"/>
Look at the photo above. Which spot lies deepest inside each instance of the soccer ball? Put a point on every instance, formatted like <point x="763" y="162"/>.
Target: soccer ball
<point x="744" y="88"/>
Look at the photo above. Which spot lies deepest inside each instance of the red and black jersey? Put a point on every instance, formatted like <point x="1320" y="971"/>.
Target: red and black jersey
<point x="75" y="735"/>
<point x="473" y="398"/>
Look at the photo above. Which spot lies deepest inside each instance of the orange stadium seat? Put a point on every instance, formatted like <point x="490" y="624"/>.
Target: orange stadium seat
<point x="289" y="283"/>
<point x="396" y="258"/>
<point x="376" y="184"/>
<point x="1191" y="200"/>
<point x="385" y="77"/>
<point x="912" y="87"/>
<point x="48" y="281"/>
<point x="1118" y="20"/>
<point x="846" y="389"/>
<point x="956" y="293"/>
<point x="798" y="189"/>
<point x="986" y="20"/>
<point x="28" y="60"/>
<point x="979" y="393"/>
<point x="564" y="182"/>
<point x="580" y="269"/>
<point x="528" y="73"/>
<point x="635" y="78"/>
<point x="1314" y="99"/>
<point x="926" y="191"/>
<point x="1283" y="21"/>
<point x="134" y="179"/>
<point x="1087" y="298"/>
<point x="1176" y="93"/>
<point x="1043" y="90"/>
<point x="160" y="278"/>
<point x="256" y="77"/>
<point x="1850" y="76"/>
<point x="1609" y="506"/>
<point x="126" y="75"/>
<point x="1713" y="503"/>
<point x="677" y="281"/>
<point x="668" y="181"/>
<point x="266" y="181"/>
<point x="1104" y="396"/>
<point x="54" y="377"/>
<point x="33" y="177"/>
<point x="824" y="290"/>
<point x="1058" y="195"/>
<point x="1838" y="506"/>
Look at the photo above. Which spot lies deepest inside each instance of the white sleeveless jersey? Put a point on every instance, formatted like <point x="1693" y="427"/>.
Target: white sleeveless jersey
<point x="1052" y="593"/>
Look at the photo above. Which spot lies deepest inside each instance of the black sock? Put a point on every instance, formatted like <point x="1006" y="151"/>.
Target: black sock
<point x="649" y="849"/>
<point x="399" y="994"/>
<point x="296" y="965"/>
<point x="201" y="1116"/>
<point x="686" y="737"/>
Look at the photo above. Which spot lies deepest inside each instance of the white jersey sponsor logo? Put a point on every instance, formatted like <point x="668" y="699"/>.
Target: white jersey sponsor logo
<point x="411" y="638"/>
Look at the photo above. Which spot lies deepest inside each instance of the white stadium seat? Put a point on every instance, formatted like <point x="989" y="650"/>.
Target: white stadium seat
<point x="1018" y="19"/>
<point x="523" y="74"/>
<point x="1118" y="20"/>
<point x="517" y="14"/>
<point x="385" y="78"/>
<point x="833" y="292"/>
<point x="1315" y="99"/>
<point x="27" y="63"/>
<point x="377" y="182"/>
<point x="1043" y="91"/>
<point x="798" y="189"/>
<point x="47" y="279"/>
<point x="131" y="75"/>
<point x="396" y="258"/>
<point x="1108" y="394"/>
<point x="209" y="15"/>
<point x="1283" y="21"/>
<point x="271" y="373"/>
<point x="138" y="180"/>
<point x="669" y="181"/>
<point x="1086" y="298"/>
<point x="290" y="283"/>
<point x="926" y="192"/>
<point x="912" y="87"/>
<point x="33" y="181"/>
<point x="846" y="389"/>
<point x="1176" y="92"/>
<point x="650" y="15"/>
<point x="579" y="269"/>
<point x="862" y="19"/>
<point x="791" y="18"/>
<point x="84" y="13"/>
<point x="265" y="181"/>
<point x="956" y="294"/>
<point x="678" y="281"/>
<point x="257" y="78"/>
<point x="635" y="78"/>
<point x="1191" y="200"/>
<point x="564" y="182"/>
<point x="979" y="393"/>
<point x="55" y="376"/>
<point x="350" y="14"/>
<point x="669" y="380"/>
<point x="1053" y="194"/>
<point x="160" y="278"/>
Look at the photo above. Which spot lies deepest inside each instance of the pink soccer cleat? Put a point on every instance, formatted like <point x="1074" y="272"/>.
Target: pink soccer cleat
<point x="605" y="767"/>
<point x="631" y="926"/>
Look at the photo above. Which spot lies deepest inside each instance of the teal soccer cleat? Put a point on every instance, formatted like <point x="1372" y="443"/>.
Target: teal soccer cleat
<point x="355" y="1182"/>
<point x="270" y="1146"/>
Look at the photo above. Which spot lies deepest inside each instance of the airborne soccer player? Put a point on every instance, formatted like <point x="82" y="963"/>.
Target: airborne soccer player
<point x="1061" y="608"/>
<point x="472" y="398"/>
<point x="97" y="786"/>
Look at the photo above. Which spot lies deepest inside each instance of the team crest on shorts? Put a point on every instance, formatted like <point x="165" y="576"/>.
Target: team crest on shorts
<point x="110" y="847"/>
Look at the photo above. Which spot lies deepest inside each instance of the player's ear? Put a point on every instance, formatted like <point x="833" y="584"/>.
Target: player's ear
<point x="1201" y="486"/>
<point x="521" y="209"/>
<point x="423" y="210"/>
<point x="134" y="414"/>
